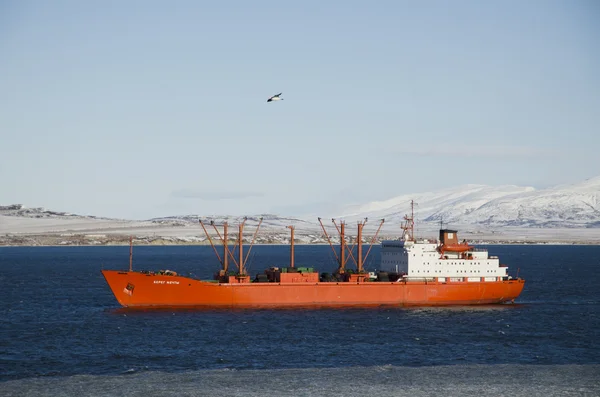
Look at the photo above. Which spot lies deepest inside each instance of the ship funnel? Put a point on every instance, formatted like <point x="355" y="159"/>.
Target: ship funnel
<point x="448" y="236"/>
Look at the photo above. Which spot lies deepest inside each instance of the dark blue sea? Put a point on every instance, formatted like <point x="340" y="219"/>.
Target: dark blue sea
<point x="62" y="332"/>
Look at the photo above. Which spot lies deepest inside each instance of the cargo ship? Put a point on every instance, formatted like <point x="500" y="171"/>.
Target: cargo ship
<point x="412" y="272"/>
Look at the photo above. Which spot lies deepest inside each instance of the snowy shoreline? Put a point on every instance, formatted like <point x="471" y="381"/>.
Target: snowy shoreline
<point x="578" y="237"/>
<point x="87" y="231"/>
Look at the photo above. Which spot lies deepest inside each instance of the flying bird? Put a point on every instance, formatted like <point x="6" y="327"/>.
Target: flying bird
<point x="275" y="98"/>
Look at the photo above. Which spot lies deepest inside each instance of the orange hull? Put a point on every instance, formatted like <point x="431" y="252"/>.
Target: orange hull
<point x="134" y="289"/>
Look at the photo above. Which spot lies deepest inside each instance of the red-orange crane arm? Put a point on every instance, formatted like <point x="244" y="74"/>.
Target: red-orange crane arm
<point x="329" y="240"/>
<point x="240" y="244"/>
<point x="253" y="239"/>
<point x="373" y="240"/>
<point x="210" y="241"/>
<point x="222" y="239"/>
<point x="346" y="247"/>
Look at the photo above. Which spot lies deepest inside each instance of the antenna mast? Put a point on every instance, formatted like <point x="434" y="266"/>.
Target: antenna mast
<point x="130" y="253"/>
<point x="291" y="246"/>
<point x="409" y="224"/>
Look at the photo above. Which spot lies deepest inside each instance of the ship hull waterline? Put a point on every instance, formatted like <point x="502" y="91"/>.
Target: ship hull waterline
<point x="141" y="290"/>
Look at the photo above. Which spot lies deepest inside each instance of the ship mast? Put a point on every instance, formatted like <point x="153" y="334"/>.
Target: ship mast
<point x="342" y="267"/>
<point x="291" y="246"/>
<point x="241" y="244"/>
<point x="341" y="259"/>
<point x="359" y="249"/>
<point x="359" y="264"/>
<point x="341" y="229"/>
<point x="409" y="224"/>
<point x="228" y="253"/>
<point x="130" y="253"/>
<point x="225" y="249"/>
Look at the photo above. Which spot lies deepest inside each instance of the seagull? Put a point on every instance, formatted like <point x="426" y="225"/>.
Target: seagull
<point x="275" y="98"/>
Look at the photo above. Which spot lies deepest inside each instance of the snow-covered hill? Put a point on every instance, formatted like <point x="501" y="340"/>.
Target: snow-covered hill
<point x="492" y="213"/>
<point x="576" y="205"/>
<point x="268" y="220"/>
<point x="19" y="210"/>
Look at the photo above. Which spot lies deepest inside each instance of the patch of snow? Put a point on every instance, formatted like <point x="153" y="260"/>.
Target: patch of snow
<point x="480" y="211"/>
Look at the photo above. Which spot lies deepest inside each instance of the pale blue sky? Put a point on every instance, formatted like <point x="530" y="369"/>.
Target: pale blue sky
<point x="138" y="109"/>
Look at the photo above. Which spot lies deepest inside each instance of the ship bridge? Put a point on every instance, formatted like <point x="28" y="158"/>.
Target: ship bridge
<point x="446" y="260"/>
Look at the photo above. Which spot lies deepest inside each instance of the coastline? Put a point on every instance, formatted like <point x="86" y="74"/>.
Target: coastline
<point x="21" y="231"/>
<point x="91" y="240"/>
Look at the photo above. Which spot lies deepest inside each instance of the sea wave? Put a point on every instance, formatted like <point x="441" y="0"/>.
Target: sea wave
<point x="385" y="380"/>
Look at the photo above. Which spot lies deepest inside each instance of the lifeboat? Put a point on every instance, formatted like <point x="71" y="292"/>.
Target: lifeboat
<point x="463" y="247"/>
<point x="449" y="242"/>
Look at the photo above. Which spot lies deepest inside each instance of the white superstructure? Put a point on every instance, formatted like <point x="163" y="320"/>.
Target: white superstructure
<point x="443" y="261"/>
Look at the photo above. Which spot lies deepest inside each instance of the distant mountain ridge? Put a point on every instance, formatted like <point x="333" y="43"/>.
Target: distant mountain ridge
<point x="19" y="210"/>
<point x="566" y="206"/>
<point x="575" y="205"/>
